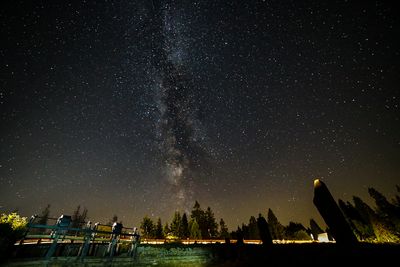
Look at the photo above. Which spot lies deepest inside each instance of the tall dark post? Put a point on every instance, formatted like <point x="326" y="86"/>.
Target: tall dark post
<point x="263" y="229"/>
<point x="332" y="215"/>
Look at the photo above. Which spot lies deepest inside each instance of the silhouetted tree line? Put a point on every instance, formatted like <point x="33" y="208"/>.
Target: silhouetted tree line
<point x="78" y="219"/>
<point x="379" y="224"/>
<point x="200" y="225"/>
<point x="277" y="231"/>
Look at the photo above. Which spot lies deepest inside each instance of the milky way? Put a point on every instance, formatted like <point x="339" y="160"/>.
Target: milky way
<point x="178" y="110"/>
<point x="141" y="107"/>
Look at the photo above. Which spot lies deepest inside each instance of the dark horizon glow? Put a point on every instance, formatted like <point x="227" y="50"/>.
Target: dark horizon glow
<point x="140" y="108"/>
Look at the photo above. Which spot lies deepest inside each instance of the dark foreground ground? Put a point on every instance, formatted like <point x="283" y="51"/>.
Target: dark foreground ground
<point x="313" y="254"/>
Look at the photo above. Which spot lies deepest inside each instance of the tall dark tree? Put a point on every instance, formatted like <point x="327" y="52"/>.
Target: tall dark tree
<point x="276" y="228"/>
<point x="147" y="227"/>
<point x="223" y="229"/>
<point x="253" y="232"/>
<point x="293" y="229"/>
<point x="185" y="226"/>
<point x="238" y="235"/>
<point x="244" y="230"/>
<point x="211" y="224"/>
<point x="159" y="230"/>
<point x="386" y="210"/>
<point x="83" y="216"/>
<point x="199" y="215"/>
<point x="396" y="200"/>
<point x="76" y="217"/>
<point x="363" y="209"/>
<point x="349" y="211"/>
<point x="382" y="231"/>
<point x="315" y="229"/>
<point x="194" y="230"/>
<point x="176" y="225"/>
<point x="196" y="211"/>
<point x="396" y="203"/>
<point x="44" y="215"/>
<point x="43" y="218"/>
<point x="166" y="229"/>
<point x="361" y="225"/>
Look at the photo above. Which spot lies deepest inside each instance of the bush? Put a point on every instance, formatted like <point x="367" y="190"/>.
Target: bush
<point x="12" y="228"/>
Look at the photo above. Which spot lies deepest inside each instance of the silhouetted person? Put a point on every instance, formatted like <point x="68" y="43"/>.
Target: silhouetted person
<point x="332" y="215"/>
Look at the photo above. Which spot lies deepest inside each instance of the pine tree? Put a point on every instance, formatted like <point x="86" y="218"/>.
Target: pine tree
<point x="223" y="229"/>
<point x="245" y="231"/>
<point x="384" y="207"/>
<point x="239" y="236"/>
<point x="315" y="229"/>
<point x="291" y="230"/>
<point x="252" y="229"/>
<point x="396" y="201"/>
<point x="185" y="226"/>
<point x="212" y="226"/>
<point x="199" y="215"/>
<point x="83" y="216"/>
<point x="349" y="211"/>
<point x="167" y="230"/>
<point x="386" y="210"/>
<point x="44" y="215"/>
<point x="176" y="225"/>
<point x="397" y="197"/>
<point x="159" y="229"/>
<point x="276" y="228"/>
<point x="43" y="218"/>
<point x="381" y="230"/>
<point x="194" y="230"/>
<point x="361" y="225"/>
<point x="76" y="217"/>
<point x="147" y="227"/>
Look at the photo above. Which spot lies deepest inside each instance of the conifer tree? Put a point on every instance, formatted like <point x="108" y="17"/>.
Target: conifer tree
<point x="44" y="215"/>
<point x="166" y="229"/>
<point x="159" y="230"/>
<point x="185" y="226"/>
<point x="276" y="228"/>
<point x="382" y="231"/>
<point x="361" y="225"/>
<point x="43" y="218"/>
<point x="199" y="215"/>
<point x="252" y="228"/>
<point x="386" y="210"/>
<point x="194" y="230"/>
<point x="223" y="229"/>
<point x="211" y="224"/>
<point x="147" y="227"/>
<point x="176" y="225"/>
<point x="315" y="229"/>
<point x="76" y="217"/>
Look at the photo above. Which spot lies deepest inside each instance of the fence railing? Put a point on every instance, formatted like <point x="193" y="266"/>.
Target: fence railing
<point x="87" y="234"/>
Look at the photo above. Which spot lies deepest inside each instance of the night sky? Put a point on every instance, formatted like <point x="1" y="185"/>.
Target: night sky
<point x="142" y="107"/>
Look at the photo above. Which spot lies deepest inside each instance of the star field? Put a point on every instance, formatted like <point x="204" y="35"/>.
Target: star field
<point x="142" y="107"/>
